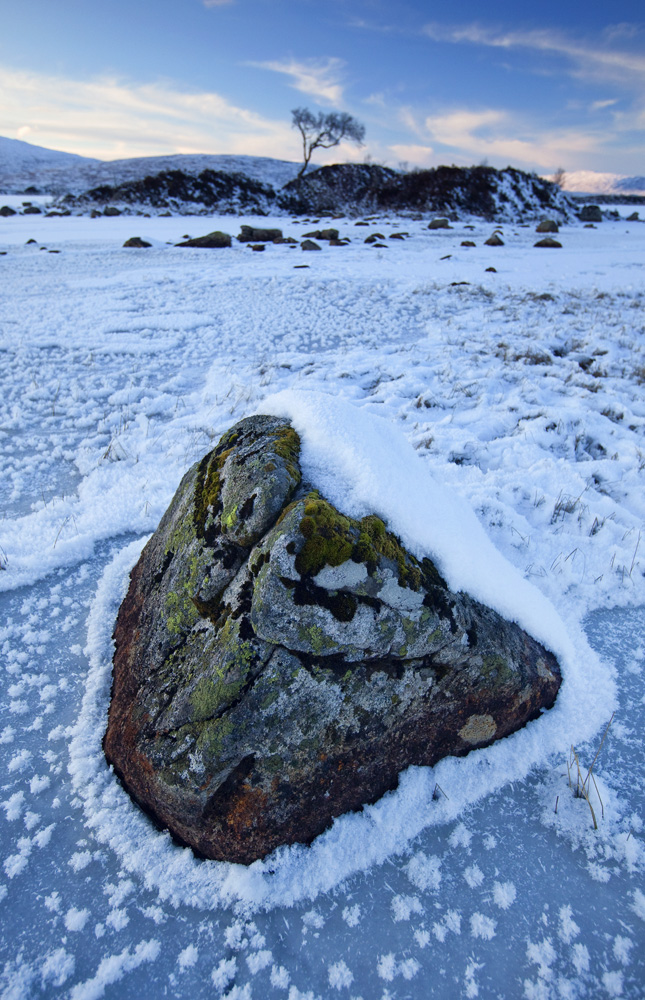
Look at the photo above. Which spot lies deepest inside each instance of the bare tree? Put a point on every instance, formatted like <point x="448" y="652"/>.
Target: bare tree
<point x="558" y="177"/>
<point x="322" y="131"/>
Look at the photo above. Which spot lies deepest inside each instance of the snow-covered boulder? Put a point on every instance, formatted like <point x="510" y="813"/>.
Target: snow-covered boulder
<point x="279" y="663"/>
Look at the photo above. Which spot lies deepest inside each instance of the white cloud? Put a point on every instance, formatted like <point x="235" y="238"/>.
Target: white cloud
<point x="418" y="156"/>
<point x="110" y="118"/>
<point x="319" y="78"/>
<point x="503" y="137"/>
<point x="599" y="105"/>
<point x="589" y="59"/>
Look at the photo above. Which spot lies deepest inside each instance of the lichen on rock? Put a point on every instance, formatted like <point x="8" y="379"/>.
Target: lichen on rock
<point x="278" y="662"/>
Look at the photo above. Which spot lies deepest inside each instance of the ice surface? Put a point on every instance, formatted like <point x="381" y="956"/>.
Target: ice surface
<point x="519" y="396"/>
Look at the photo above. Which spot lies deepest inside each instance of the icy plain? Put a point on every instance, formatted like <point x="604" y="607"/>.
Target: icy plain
<point x="522" y="393"/>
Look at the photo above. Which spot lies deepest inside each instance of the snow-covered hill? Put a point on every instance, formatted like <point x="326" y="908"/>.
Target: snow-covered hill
<point x="593" y="182"/>
<point x="23" y="165"/>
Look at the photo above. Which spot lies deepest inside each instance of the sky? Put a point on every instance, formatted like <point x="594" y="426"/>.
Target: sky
<point x="541" y="86"/>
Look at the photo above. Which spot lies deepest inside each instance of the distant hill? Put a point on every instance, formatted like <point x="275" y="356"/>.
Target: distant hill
<point x="23" y="165"/>
<point x="592" y="182"/>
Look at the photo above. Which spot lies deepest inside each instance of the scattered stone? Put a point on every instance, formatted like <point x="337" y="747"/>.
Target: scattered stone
<point x="289" y="240"/>
<point x="440" y="224"/>
<point x="547" y="226"/>
<point x="309" y="245"/>
<point x="494" y="241"/>
<point x="95" y="214"/>
<point x="111" y="210"/>
<point x="361" y="223"/>
<point x="633" y="217"/>
<point x="322" y="234"/>
<point x="278" y="663"/>
<point x="455" y="284"/>
<point x="373" y="237"/>
<point x="136" y="241"/>
<point x="381" y="246"/>
<point x="398" y="236"/>
<point x="53" y="251"/>
<point x="590" y="213"/>
<point x="5" y="211"/>
<point x="338" y="243"/>
<point x="256" y="246"/>
<point x="30" y="241"/>
<point x="53" y="215"/>
<point x="212" y="240"/>
<point x="590" y="225"/>
<point x="493" y="269"/>
<point x="468" y="243"/>
<point x="31" y="210"/>
<point x="548" y="242"/>
<point x="300" y="266"/>
<point x="249" y="234"/>
<point x="165" y="215"/>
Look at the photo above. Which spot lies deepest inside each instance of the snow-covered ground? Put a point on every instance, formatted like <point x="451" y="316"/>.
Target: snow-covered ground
<point x="522" y="392"/>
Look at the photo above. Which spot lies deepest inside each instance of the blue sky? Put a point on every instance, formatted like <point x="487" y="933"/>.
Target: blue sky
<point x="536" y="85"/>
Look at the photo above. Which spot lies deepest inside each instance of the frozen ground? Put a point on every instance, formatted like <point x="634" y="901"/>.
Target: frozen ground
<point x="523" y="392"/>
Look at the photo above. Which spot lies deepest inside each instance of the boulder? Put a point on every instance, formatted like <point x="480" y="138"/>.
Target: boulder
<point x="633" y="217"/>
<point x="278" y="663"/>
<point x="5" y="211"/>
<point x="468" y="243"/>
<point x="440" y="224"/>
<point x="136" y="241"/>
<point x="590" y="213"/>
<point x="111" y="210"/>
<point x="322" y="234"/>
<point x="548" y="242"/>
<point x="547" y="226"/>
<point x="494" y="241"/>
<point x="31" y="210"/>
<point x="309" y="245"/>
<point x="213" y="240"/>
<point x="248" y="234"/>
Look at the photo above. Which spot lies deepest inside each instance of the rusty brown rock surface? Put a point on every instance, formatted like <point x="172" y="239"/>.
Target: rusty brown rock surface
<point x="278" y="663"/>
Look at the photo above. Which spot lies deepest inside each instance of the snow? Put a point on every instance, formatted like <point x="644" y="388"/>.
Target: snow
<point x="510" y="413"/>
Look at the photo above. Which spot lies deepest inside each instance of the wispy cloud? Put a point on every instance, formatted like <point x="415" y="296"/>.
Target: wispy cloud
<point x="598" y="60"/>
<point x="109" y="117"/>
<point x="319" y="78"/>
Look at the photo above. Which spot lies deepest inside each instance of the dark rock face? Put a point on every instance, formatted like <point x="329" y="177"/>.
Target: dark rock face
<point x="278" y="663"/>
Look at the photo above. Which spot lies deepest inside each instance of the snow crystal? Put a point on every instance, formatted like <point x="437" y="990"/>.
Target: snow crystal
<point x="504" y="894"/>
<point x="258" y="960"/>
<point x="474" y="876"/>
<point x="613" y="983"/>
<point x="75" y="920"/>
<point x="223" y="973"/>
<point x="482" y="926"/>
<point x="352" y="915"/>
<point x="113" y="968"/>
<point x="424" y="872"/>
<point x="340" y="976"/>
<point x="57" y="967"/>
<point x="404" y="906"/>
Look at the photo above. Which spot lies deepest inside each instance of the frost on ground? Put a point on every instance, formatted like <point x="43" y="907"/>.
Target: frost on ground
<point x="522" y="394"/>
